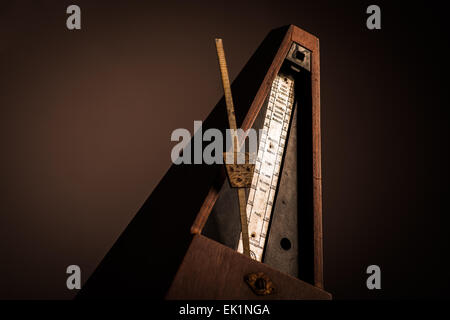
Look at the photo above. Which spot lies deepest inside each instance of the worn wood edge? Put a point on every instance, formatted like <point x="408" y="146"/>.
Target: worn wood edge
<point x="312" y="43"/>
<point x="204" y="211"/>
<point x="304" y="38"/>
<point x="317" y="168"/>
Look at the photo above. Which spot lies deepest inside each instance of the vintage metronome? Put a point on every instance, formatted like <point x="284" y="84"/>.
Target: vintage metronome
<point x="255" y="228"/>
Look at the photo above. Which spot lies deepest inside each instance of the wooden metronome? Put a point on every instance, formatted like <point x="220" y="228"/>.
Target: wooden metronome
<point x="284" y="198"/>
<point x="157" y="256"/>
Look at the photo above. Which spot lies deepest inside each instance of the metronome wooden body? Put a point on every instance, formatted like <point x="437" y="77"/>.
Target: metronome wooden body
<point x="211" y="269"/>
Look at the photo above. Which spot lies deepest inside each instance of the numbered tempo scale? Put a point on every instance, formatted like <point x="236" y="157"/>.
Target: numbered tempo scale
<point x="268" y="163"/>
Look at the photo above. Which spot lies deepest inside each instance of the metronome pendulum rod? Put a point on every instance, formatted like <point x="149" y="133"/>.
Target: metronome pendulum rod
<point x="233" y="126"/>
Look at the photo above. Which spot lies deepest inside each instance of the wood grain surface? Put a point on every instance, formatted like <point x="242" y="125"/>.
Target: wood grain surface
<point x="211" y="270"/>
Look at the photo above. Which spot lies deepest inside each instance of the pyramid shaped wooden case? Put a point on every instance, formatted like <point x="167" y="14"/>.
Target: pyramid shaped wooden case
<point x="212" y="270"/>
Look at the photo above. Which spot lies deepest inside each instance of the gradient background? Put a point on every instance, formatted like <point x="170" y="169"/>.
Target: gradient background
<point x="86" y="118"/>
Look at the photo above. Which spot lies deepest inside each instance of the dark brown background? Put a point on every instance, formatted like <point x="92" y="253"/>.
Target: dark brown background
<point x="86" y="118"/>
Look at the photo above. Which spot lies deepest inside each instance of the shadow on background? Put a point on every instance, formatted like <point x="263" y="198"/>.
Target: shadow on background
<point x="145" y="258"/>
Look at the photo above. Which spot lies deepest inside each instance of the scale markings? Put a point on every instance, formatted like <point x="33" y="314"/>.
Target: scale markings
<point x="270" y="153"/>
